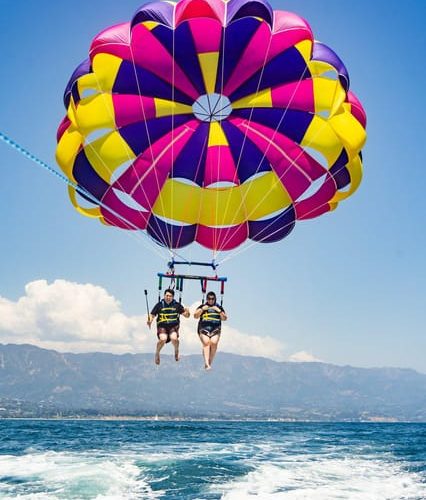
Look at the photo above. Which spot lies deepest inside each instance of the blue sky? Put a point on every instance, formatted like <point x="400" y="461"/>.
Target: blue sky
<point x="347" y="288"/>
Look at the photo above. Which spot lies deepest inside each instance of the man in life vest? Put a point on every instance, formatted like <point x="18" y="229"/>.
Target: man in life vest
<point x="167" y="312"/>
<point x="211" y="316"/>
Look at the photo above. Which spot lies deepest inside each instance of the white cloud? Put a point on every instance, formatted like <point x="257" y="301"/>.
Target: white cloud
<point x="76" y="317"/>
<point x="303" y="356"/>
<point x="70" y="316"/>
<point x="232" y="340"/>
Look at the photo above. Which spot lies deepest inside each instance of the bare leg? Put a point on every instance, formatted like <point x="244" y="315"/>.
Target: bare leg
<point x="160" y="344"/>
<point x="213" y="347"/>
<point x="206" y="350"/>
<point x="175" y="341"/>
<point x="206" y="355"/>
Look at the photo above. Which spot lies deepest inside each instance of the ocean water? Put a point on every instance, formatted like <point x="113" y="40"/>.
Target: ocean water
<point x="95" y="459"/>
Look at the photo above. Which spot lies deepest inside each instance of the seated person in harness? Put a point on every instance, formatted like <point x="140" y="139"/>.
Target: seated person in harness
<point x="211" y="316"/>
<point x="167" y="312"/>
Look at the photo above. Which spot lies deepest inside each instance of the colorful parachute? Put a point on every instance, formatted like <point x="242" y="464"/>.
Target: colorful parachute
<point x="210" y="121"/>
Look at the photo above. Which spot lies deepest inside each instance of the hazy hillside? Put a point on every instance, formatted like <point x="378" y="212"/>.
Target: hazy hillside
<point x="39" y="382"/>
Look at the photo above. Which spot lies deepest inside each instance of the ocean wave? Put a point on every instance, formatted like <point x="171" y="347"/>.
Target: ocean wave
<point x="227" y="461"/>
<point x="326" y="479"/>
<point x="53" y="475"/>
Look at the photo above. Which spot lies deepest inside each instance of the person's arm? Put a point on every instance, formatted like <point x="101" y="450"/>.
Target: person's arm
<point x="184" y="311"/>
<point x="222" y="313"/>
<point x="152" y="315"/>
<point x="200" y="310"/>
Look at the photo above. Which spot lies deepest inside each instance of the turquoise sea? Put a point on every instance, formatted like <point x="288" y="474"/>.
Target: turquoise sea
<point x="98" y="459"/>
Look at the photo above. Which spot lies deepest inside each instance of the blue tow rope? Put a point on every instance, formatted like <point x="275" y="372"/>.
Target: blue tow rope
<point x="34" y="159"/>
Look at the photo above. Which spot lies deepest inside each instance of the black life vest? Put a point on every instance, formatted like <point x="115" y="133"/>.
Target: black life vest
<point x="168" y="313"/>
<point x="211" y="316"/>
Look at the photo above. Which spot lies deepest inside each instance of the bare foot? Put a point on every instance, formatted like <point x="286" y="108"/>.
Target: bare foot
<point x="207" y="367"/>
<point x="157" y="358"/>
<point x="177" y="355"/>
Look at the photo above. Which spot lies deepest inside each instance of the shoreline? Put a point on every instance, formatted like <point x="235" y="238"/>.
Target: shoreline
<point x="115" y="418"/>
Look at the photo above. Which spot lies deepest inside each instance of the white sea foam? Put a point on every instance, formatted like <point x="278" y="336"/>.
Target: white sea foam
<point x="319" y="478"/>
<point x="277" y="472"/>
<point x="161" y="453"/>
<point x="51" y="476"/>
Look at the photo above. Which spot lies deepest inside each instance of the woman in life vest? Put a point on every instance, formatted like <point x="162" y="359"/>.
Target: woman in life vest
<point x="168" y="313"/>
<point x="211" y="315"/>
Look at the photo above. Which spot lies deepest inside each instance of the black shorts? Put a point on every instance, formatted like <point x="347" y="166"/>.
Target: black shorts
<point x="167" y="329"/>
<point x="209" y="330"/>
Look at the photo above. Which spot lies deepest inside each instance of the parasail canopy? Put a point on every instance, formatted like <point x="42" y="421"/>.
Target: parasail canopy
<point x="210" y="121"/>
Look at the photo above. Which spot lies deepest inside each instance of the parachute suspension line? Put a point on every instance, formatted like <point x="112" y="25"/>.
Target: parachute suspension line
<point x="174" y="254"/>
<point x="247" y="127"/>
<point x="171" y="242"/>
<point x="80" y="189"/>
<point x="126" y="151"/>
<point x="173" y="142"/>
<point x="205" y="139"/>
<point x="217" y="193"/>
<point x="270" y="143"/>
<point x="240" y="251"/>
<point x="130" y="159"/>
<point x="222" y="84"/>
<point x="228" y="233"/>
<point x="292" y="163"/>
<point x="192" y="195"/>
<point x="139" y="183"/>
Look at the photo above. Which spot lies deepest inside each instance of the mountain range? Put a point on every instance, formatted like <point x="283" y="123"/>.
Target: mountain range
<point x="37" y="382"/>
